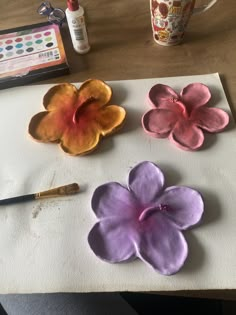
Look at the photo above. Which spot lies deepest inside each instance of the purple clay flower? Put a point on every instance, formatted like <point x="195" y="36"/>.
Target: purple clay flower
<point x="144" y="220"/>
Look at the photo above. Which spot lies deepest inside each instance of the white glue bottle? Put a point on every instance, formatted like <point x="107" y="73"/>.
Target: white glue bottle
<point x="77" y="27"/>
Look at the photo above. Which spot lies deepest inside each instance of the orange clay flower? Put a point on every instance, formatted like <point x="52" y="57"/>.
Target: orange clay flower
<point x="77" y="118"/>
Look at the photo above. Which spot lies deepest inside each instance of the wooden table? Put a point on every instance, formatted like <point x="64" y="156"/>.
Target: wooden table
<point x="122" y="47"/>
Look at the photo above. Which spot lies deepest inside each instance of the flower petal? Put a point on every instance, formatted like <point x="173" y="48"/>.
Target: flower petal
<point x="79" y="140"/>
<point x="46" y="126"/>
<point x="186" y="135"/>
<point x="159" y="122"/>
<point x="110" y="240"/>
<point x="96" y="89"/>
<point x="110" y="118"/>
<point x="161" y="94"/>
<point x="185" y="206"/>
<point x="195" y="95"/>
<point x="210" y="119"/>
<point x="162" y="245"/>
<point x="113" y="200"/>
<point x="146" y="181"/>
<point x="62" y="96"/>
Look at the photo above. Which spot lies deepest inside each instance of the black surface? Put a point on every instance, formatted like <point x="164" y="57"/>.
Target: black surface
<point x="2" y="311"/>
<point x="148" y="304"/>
<point x="152" y="304"/>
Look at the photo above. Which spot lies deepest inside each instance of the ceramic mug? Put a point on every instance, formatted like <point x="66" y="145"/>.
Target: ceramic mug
<point x="170" y="17"/>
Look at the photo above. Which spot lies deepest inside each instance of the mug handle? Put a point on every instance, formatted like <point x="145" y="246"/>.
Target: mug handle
<point x="204" y="7"/>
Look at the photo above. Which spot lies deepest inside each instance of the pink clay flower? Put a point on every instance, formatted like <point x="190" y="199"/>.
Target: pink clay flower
<point x="182" y="117"/>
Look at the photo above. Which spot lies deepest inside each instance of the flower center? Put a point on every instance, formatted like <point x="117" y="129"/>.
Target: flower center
<point x="182" y="108"/>
<point x="174" y="99"/>
<point x="81" y="107"/>
<point x="149" y="211"/>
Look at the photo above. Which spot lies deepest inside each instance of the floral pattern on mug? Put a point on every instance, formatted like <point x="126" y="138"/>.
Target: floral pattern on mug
<point x="169" y="19"/>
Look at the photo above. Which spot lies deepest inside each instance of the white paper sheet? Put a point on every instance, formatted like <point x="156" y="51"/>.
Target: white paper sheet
<point x="43" y="244"/>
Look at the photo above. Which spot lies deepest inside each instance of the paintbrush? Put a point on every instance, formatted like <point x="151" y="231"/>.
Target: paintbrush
<point x="55" y="192"/>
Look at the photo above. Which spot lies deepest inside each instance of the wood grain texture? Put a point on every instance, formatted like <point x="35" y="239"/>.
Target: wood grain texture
<point x="122" y="48"/>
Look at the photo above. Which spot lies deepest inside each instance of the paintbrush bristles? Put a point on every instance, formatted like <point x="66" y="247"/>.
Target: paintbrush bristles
<point x="59" y="191"/>
<point x="71" y="189"/>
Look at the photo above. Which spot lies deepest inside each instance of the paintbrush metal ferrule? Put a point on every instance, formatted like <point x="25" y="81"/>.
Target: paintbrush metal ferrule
<point x="55" y="192"/>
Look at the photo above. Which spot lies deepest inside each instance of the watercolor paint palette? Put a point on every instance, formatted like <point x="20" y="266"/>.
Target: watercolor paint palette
<point x="31" y="53"/>
<point x="28" y="44"/>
